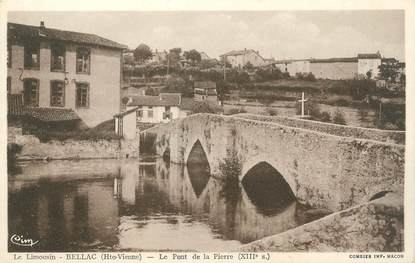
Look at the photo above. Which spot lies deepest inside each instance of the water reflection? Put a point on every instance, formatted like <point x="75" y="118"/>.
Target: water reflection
<point x="135" y="207"/>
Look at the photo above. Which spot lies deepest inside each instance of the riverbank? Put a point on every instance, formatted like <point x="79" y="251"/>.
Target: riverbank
<point x="371" y="227"/>
<point x="32" y="149"/>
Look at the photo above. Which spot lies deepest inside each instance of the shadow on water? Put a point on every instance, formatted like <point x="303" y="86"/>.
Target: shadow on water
<point x="198" y="168"/>
<point x="148" y="206"/>
<point x="267" y="189"/>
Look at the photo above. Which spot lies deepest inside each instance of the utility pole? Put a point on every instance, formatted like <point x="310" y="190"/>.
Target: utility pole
<point x="168" y="65"/>
<point x="224" y="72"/>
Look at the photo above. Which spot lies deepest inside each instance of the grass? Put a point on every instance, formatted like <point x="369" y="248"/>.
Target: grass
<point x="103" y="131"/>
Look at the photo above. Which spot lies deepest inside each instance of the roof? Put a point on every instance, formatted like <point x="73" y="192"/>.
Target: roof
<point x="205" y="84"/>
<point x="16" y="108"/>
<point x="369" y="56"/>
<point x="239" y="52"/>
<point x="164" y="99"/>
<point x="204" y="56"/>
<point x="334" y="60"/>
<point x="125" y="112"/>
<point x="51" y="114"/>
<point x="25" y="31"/>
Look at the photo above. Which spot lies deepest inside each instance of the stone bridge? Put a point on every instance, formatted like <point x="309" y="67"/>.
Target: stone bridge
<point x="326" y="165"/>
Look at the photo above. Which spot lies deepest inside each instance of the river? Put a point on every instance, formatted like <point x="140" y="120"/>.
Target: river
<point x="130" y="205"/>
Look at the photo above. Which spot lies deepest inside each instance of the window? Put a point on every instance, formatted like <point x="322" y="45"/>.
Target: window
<point x="82" y="95"/>
<point x="57" y="62"/>
<point x="139" y="112"/>
<point x="9" y="85"/>
<point x="83" y="60"/>
<point x="31" y="92"/>
<point x="150" y="112"/>
<point x="31" y="55"/>
<point x="166" y="113"/>
<point x="57" y="93"/>
<point x="9" y="55"/>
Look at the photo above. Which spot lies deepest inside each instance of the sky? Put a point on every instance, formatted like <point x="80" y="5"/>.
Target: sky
<point x="277" y="34"/>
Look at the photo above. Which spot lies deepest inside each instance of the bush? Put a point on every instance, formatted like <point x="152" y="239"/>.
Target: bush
<point x="305" y="76"/>
<point x="236" y="111"/>
<point x="338" y="118"/>
<point x="310" y="108"/>
<point x="103" y="131"/>
<point x="12" y="150"/>
<point x="392" y="117"/>
<point x="230" y="169"/>
<point x="205" y="107"/>
<point x="325" y="117"/>
<point x="271" y="112"/>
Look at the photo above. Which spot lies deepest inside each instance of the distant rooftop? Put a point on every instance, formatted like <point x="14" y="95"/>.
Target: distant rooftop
<point x="164" y="99"/>
<point x="238" y="52"/>
<point x="369" y="56"/>
<point x="205" y="84"/>
<point x="334" y="60"/>
<point x="25" y="31"/>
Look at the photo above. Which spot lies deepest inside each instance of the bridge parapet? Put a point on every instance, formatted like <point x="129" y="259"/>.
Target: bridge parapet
<point x="397" y="137"/>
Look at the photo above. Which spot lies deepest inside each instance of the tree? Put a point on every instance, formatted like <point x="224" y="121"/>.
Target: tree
<point x="338" y="118"/>
<point x="369" y="74"/>
<point x="173" y="56"/>
<point x="389" y="70"/>
<point x="142" y="53"/>
<point x="248" y="66"/>
<point x="192" y="55"/>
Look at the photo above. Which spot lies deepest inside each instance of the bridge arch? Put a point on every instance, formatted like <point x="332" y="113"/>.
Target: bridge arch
<point x="250" y="163"/>
<point x="192" y="149"/>
<point x="267" y="188"/>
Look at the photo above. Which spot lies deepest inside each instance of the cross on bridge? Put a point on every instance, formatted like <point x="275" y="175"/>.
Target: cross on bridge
<point x="302" y="104"/>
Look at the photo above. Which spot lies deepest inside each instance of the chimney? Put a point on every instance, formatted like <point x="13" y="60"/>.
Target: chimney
<point x="42" y="28"/>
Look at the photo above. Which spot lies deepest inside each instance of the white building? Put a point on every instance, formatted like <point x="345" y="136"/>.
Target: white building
<point x="369" y="62"/>
<point x="238" y="59"/>
<point x="157" y="109"/>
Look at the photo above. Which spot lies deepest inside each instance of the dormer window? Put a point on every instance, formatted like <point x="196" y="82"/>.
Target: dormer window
<point x="83" y="57"/>
<point x="31" y="54"/>
<point x="57" y="57"/>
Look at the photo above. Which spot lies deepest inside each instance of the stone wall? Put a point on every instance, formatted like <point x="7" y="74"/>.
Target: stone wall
<point x="377" y="226"/>
<point x="334" y="129"/>
<point x="71" y="149"/>
<point x="322" y="169"/>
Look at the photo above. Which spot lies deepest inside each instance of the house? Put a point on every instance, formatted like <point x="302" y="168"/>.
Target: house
<point x="369" y="63"/>
<point x="239" y="59"/>
<point x="204" y="56"/>
<point x="126" y="124"/>
<point x="205" y="90"/>
<point x="128" y="56"/>
<point x="157" y="109"/>
<point x="57" y="71"/>
<point x="159" y="57"/>
<point x="334" y="68"/>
